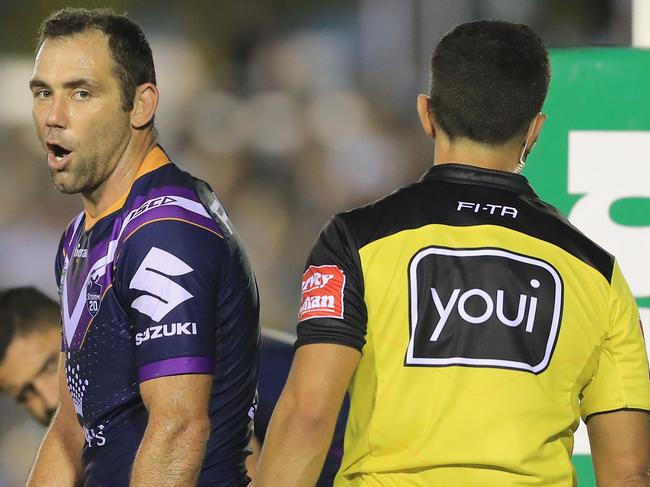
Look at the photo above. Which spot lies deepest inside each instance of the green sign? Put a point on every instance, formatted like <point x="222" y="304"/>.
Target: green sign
<point x="593" y="163"/>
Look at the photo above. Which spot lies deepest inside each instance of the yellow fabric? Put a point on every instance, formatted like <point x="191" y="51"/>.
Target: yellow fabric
<point x="615" y="383"/>
<point x="445" y="426"/>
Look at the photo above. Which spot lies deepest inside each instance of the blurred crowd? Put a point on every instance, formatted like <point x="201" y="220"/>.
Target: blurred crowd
<point x="290" y="110"/>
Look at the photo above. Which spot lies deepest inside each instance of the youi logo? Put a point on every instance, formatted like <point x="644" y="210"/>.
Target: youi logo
<point x="482" y="307"/>
<point x="527" y="308"/>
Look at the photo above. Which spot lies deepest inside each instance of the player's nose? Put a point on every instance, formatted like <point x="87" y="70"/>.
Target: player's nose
<point x="46" y="388"/>
<point x="57" y="113"/>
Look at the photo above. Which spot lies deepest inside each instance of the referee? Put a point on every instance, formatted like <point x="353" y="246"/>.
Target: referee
<point x="472" y="323"/>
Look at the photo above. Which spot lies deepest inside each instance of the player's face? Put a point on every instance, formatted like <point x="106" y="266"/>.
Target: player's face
<point x="77" y="111"/>
<point x="28" y="372"/>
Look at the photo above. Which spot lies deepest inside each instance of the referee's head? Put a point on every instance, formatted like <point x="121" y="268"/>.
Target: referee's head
<point x="489" y="80"/>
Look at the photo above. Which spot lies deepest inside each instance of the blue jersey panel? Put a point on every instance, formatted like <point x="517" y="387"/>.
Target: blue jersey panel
<point x="169" y="274"/>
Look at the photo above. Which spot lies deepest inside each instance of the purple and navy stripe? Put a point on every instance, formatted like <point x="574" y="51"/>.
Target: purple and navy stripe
<point x="177" y="366"/>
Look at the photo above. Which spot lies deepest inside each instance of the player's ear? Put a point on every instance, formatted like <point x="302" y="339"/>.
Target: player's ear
<point x="426" y="118"/>
<point x="145" y="103"/>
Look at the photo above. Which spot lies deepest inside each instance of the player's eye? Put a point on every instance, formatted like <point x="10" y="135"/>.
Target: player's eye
<point x="81" y="95"/>
<point x="42" y="93"/>
<point x="51" y="365"/>
<point x="25" y="394"/>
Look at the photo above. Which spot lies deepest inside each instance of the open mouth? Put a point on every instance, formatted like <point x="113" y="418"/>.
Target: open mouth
<point x="58" y="151"/>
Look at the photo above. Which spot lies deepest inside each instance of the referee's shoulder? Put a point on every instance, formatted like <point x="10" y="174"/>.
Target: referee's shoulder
<point x="557" y="229"/>
<point x="378" y="218"/>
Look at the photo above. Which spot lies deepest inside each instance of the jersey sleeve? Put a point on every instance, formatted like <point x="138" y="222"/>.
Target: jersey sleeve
<point x="621" y="380"/>
<point x="167" y="276"/>
<point x="332" y="308"/>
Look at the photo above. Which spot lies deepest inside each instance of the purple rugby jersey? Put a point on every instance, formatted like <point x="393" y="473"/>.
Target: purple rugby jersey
<point x="158" y="286"/>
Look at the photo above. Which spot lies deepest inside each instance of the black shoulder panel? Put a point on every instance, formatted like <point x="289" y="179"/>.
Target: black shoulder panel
<point x="465" y="196"/>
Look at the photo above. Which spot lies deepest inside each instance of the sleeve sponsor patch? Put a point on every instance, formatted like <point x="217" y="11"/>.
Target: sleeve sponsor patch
<point x="322" y="292"/>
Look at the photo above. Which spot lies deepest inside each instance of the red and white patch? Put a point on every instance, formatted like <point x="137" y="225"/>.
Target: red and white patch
<point x="322" y="292"/>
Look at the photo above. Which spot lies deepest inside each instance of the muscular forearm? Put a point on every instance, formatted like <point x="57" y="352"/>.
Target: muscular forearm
<point x="58" y="463"/>
<point x="637" y="480"/>
<point x="171" y="453"/>
<point x="632" y="480"/>
<point x="620" y="448"/>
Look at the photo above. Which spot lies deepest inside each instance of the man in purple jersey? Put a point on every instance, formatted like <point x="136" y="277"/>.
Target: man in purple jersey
<point x="159" y="305"/>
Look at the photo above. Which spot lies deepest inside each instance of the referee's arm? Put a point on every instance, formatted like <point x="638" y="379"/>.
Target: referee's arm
<point x="620" y="448"/>
<point x="616" y="402"/>
<point x="304" y="419"/>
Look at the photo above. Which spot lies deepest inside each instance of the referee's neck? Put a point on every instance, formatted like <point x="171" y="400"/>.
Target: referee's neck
<point x="465" y="151"/>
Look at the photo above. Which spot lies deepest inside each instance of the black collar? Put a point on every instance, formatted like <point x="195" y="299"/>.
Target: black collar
<point x="466" y="174"/>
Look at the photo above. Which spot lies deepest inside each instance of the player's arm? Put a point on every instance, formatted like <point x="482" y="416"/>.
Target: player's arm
<point x="172" y="449"/>
<point x="620" y="448"/>
<point x="331" y="335"/>
<point x="167" y="275"/>
<point x="58" y="463"/>
<point x="252" y="459"/>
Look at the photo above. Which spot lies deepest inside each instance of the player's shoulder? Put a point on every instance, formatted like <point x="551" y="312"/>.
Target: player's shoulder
<point x="169" y="195"/>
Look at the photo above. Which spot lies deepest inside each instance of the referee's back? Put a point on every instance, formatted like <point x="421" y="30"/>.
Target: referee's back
<point x="492" y="325"/>
<point x="471" y="322"/>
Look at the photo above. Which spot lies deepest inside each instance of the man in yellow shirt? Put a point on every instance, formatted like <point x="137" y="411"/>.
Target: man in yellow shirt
<point x="471" y="322"/>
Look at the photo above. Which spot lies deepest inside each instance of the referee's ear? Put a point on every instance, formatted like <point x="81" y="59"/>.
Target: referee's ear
<point x="426" y="117"/>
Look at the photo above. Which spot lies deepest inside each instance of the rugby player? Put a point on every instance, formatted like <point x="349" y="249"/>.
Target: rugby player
<point x="472" y="323"/>
<point x="30" y="338"/>
<point x="159" y="352"/>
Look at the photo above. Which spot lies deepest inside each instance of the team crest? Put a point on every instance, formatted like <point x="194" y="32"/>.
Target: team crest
<point x="93" y="297"/>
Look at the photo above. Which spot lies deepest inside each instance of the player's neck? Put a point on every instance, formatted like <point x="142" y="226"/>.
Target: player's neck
<point x="119" y="181"/>
<point x="463" y="151"/>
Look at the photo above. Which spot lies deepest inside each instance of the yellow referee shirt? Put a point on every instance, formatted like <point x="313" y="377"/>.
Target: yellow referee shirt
<point x="487" y="324"/>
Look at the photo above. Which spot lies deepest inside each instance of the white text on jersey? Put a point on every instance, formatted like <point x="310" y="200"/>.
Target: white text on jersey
<point x="456" y="298"/>
<point x="499" y="210"/>
<point x="80" y="253"/>
<point x="160" y="331"/>
<point x="317" y="302"/>
<point x="317" y="280"/>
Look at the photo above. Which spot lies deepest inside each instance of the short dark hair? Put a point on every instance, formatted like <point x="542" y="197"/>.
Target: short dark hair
<point x="126" y="41"/>
<point x="25" y="310"/>
<point x="489" y="79"/>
